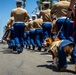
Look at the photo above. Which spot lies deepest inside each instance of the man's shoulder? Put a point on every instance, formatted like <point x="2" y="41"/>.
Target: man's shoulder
<point x="38" y="20"/>
<point x="11" y="18"/>
<point x="23" y="9"/>
<point x="13" y="9"/>
<point x="41" y="11"/>
<point x="19" y="9"/>
<point x="63" y="2"/>
<point x="30" y="22"/>
<point x="48" y="9"/>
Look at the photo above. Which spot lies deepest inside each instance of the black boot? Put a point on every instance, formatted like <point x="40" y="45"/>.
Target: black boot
<point x="18" y="51"/>
<point x="39" y="48"/>
<point x="14" y="48"/>
<point x="33" y="47"/>
<point x="45" y="50"/>
<point x="29" y="47"/>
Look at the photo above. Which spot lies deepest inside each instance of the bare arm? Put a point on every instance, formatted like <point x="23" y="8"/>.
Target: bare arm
<point x="11" y="14"/>
<point x="40" y="14"/>
<point x="10" y="21"/>
<point x="27" y="16"/>
<point x="70" y="7"/>
<point x="72" y="4"/>
<point x="53" y="9"/>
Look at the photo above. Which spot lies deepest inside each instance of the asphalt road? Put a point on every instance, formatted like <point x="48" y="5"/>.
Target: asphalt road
<point x="30" y="62"/>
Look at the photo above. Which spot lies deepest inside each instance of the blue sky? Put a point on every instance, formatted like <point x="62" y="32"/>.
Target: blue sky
<point x="5" y="9"/>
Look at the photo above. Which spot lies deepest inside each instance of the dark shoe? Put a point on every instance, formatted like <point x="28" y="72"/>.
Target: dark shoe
<point x="29" y="47"/>
<point x="33" y="47"/>
<point x="39" y="48"/>
<point x="72" y="60"/>
<point x="10" y="47"/>
<point x="45" y="50"/>
<point x="14" y="48"/>
<point x="49" y="51"/>
<point x="18" y="51"/>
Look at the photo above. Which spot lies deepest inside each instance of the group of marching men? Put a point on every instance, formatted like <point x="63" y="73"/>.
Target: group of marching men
<point x="48" y="23"/>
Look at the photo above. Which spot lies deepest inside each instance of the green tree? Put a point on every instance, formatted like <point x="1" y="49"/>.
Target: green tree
<point x="24" y="5"/>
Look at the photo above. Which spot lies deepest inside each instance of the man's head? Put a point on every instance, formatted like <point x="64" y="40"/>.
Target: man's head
<point x="37" y="14"/>
<point x="33" y="17"/>
<point x="18" y="3"/>
<point x="46" y="4"/>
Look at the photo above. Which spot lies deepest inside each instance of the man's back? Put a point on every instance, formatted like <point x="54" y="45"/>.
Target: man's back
<point x="37" y="23"/>
<point x="45" y="15"/>
<point x="19" y="14"/>
<point x="60" y="8"/>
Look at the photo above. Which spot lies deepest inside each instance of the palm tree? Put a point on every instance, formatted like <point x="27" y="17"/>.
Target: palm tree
<point x="24" y="5"/>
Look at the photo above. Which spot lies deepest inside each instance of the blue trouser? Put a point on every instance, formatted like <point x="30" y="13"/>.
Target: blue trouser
<point x="61" y="54"/>
<point x="70" y="37"/>
<point x="12" y="41"/>
<point x="65" y="22"/>
<point x="32" y="37"/>
<point x="25" y="39"/>
<point x="19" y="35"/>
<point x="46" y="26"/>
<point x="28" y="38"/>
<point x="39" y="37"/>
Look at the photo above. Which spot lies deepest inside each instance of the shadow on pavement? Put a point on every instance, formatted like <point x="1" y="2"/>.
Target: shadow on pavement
<point x="51" y="67"/>
<point x="8" y="51"/>
<point x="45" y="53"/>
<point x="49" y="61"/>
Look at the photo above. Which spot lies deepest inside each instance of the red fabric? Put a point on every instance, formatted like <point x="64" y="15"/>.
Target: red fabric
<point x="74" y="20"/>
<point x="74" y="24"/>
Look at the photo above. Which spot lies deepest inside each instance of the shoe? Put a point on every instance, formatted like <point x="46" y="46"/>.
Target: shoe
<point x="18" y="51"/>
<point x="39" y="48"/>
<point x="49" y="51"/>
<point x="29" y="47"/>
<point x="33" y="47"/>
<point x="72" y="60"/>
<point x="10" y="47"/>
<point x="45" y="50"/>
<point x="14" y="48"/>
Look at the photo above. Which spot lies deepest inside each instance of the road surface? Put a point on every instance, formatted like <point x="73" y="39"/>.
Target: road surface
<point x="30" y="62"/>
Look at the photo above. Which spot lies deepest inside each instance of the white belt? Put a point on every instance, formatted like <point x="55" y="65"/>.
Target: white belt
<point x="19" y="22"/>
<point x="71" y="21"/>
<point x="38" y="28"/>
<point x="62" y="17"/>
<point x="46" y="22"/>
<point x="32" y="29"/>
<point x="27" y="31"/>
